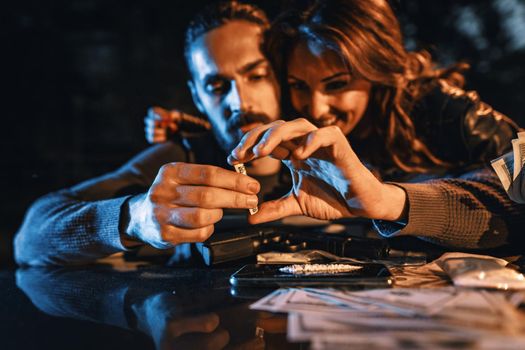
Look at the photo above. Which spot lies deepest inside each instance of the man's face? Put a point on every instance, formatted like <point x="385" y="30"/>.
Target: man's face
<point x="232" y="81"/>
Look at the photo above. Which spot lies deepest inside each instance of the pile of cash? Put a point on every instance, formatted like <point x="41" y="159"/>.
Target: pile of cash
<point x="401" y="318"/>
<point x="509" y="169"/>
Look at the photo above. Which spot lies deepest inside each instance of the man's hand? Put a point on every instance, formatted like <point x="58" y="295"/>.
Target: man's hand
<point x="329" y="180"/>
<point x="185" y="201"/>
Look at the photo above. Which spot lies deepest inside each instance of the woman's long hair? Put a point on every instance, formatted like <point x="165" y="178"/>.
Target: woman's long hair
<point x="367" y="35"/>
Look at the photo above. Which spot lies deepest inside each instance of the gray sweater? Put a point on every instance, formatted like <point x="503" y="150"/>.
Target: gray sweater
<point x="472" y="211"/>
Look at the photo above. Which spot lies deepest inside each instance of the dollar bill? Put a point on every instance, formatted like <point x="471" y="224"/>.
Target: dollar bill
<point x="518" y="151"/>
<point x="242" y="170"/>
<point x="394" y="315"/>
<point x="504" y="168"/>
<point x="509" y="168"/>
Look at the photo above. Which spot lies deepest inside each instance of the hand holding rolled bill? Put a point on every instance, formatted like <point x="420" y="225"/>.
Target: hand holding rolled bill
<point x="160" y="124"/>
<point x="509" y="169"/>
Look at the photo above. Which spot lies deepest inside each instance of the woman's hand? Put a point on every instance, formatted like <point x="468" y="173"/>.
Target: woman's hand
<point x="329" y="180"/>
<point x="159" y="123"/>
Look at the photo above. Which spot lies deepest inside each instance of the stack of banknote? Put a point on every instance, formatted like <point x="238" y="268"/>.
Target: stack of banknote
<point x="401" y="318"/>
<point x="509" y="169"/>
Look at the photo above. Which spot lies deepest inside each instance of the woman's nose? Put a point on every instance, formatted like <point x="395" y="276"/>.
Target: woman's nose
<point x="317" y="106"/>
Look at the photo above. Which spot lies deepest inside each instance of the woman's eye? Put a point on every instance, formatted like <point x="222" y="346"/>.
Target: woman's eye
<point x="336" y="85"/>
<point x="297" y="85"/>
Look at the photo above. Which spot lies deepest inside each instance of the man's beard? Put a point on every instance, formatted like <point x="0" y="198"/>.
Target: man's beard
<point x="234" y="128"/>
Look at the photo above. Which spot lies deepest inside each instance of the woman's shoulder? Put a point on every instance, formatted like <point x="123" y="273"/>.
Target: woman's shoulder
<point x="441" y="102"/>
<point x="459" y="126"/>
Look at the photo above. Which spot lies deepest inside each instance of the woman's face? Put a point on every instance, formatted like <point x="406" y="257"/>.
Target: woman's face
<point x="323" y="90"/>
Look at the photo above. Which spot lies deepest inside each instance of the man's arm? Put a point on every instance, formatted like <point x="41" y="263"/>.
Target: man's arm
<point x="98" y="217"/>
<point x="84" y="223"/>
<point x="60" y="228"/>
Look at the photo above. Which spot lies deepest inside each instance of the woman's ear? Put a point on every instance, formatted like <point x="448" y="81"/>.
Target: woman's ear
<point x="195" y="97"/>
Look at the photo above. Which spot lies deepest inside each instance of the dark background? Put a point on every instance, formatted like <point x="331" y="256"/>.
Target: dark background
<point x="78" y="76"/>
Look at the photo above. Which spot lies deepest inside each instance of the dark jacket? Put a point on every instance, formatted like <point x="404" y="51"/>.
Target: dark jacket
<point x="469" y="210"/>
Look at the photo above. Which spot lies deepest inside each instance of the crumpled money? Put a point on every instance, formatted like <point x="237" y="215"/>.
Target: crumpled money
<point x="510" y="171"/>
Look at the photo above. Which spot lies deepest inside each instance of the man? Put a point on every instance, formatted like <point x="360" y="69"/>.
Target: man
<point x="160" y="201"/>
<point x="155" y="198"/>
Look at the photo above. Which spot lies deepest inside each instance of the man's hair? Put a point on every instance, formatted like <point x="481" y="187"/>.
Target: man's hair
<point x="218" y="14"/>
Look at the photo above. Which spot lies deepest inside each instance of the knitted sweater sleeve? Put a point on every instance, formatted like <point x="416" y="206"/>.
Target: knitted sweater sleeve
<point x="467" y="212"/>
<point x="83" y="223"/>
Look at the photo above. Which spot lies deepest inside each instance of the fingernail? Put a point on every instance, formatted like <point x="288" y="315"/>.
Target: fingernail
<point x="253" y="187"/>
<point x="252" y="202"/>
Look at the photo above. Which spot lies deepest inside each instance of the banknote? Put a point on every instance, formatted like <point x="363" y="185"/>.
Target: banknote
<point x="504" y="168"/>
<point x="389" y="318"/>
<point x="241" y="169"/>
<point x="518" y="151"/>
<point x="509" y="168"/>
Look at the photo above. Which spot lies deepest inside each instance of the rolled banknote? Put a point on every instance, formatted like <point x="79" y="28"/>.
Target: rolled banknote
<point x="242" y="170"/>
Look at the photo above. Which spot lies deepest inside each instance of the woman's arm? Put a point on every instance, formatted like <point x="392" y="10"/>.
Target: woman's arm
<point x="471" y="211"/>
<point x="329" y="181"/>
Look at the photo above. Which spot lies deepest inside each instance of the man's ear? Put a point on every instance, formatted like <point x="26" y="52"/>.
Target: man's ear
<point x="195" y="97"/>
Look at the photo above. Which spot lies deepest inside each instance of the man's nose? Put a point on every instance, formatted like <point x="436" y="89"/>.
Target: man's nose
<point x="238" y="99"/>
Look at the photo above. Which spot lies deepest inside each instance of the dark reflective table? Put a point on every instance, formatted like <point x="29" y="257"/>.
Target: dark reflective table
<point x="145" y="308"/>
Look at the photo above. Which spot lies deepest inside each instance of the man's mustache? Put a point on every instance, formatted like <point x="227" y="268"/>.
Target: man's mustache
<point x="237" y="120"/>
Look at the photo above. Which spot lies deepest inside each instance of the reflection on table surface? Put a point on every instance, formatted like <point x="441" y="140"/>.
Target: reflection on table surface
<point x="159" y="307"/>
<point x="152" y="307"/>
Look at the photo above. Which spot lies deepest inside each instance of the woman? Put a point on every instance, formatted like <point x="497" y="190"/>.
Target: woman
<point x="373" y="112"/>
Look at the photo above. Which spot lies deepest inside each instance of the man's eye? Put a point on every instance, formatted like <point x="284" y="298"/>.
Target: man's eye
<point x="257" y="77"/>
<point x="217" y="87"/>
<point x="297" y="85"/>
<point x="336" y="85"/>
<point x="258" y="74"/>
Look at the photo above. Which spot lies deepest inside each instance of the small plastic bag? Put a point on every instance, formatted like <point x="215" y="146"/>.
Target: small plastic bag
<point x="482" y="271"/>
